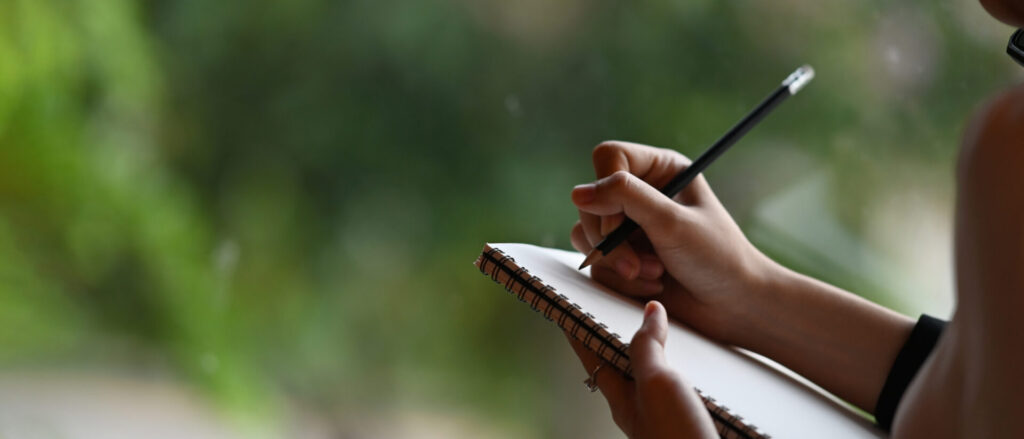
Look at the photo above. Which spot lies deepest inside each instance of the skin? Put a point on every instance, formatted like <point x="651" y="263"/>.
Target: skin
<point x="657" y="402"/>
<point x="1008" y="11"/>
<point x="694" y="259"/>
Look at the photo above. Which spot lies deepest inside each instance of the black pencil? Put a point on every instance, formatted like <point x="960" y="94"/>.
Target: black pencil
<point x="789" y="87"/>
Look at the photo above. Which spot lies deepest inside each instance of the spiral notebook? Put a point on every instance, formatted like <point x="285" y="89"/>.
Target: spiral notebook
<point x="747" y="396"/>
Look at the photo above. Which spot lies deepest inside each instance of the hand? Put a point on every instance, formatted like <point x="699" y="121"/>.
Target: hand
<point x="657" y="403"/>
<point x="691" y="255"/>
<point x="693" y="258"/>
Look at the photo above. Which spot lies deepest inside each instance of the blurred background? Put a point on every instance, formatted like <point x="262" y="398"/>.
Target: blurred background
<point x="258" y="219"/>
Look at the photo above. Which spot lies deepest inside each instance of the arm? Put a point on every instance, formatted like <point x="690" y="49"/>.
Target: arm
<point x="695" y="259"/>
<point x="973" y="381"/>
<point x="840" y="341"/>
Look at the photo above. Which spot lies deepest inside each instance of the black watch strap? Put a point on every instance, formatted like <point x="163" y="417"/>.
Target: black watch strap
<point x="913" y="354"/>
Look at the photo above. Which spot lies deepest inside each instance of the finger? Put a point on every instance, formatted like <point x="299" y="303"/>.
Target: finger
<point x="579" y="239"/>
<point x="623" y="259"/>
<point x="662" y="395"/>
<point x="641" y="160"/>
<point x="647" y="349"/>
<point x="591" y="227"/>
<point x="613" y="385"/>
<point x="611" y="222"/>
<point x="655" y="165"/>
<point x="651" y="267"/>
<point x="623" y="192"/>
<point x="637" y="287"/>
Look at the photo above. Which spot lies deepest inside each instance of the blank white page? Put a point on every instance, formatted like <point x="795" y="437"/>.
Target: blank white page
<point x="765" y="395"/>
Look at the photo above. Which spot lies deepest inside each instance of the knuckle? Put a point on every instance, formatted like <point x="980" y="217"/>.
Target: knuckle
<point x="620" y="180"/>
<point x="676" y="156"/>
<point x="617" y="406"/>
<point x="606" y="150"/>
<point x="576" y="231"/>
<point x="616" y="412"/>
<point x="667" y="159"/>
<point x="578" y="234"/>
<point x="619" y="416"/>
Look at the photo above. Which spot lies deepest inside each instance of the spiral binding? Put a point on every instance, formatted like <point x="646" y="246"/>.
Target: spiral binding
<point x="555" y="307"/>
<point x="582" y="326"/>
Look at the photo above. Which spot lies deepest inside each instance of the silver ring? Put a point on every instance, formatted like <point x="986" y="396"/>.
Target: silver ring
<point x="591" y="381"/>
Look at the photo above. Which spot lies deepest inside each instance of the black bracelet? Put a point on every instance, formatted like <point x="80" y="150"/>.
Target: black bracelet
<point x="917" y="348"/>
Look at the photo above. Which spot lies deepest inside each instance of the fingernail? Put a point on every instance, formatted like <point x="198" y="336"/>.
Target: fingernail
<point x="648" y="310"/>
<point x="584" y="193"/>
<point x="625" y="268"/>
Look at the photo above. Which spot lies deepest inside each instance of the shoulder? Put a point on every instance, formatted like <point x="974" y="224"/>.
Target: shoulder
<point x="993" y="147"/>
<point x="990" y="210"/>
<point x="989" y="259"/>
<point x="1008" y="11"/>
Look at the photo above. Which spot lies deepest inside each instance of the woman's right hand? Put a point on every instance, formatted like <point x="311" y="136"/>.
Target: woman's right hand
<point x="693" y="258"/>
<point x="691" y="255"/>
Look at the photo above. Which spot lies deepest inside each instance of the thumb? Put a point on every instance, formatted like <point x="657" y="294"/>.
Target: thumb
<point x="647" y="350"/>
<point x="623" y="192"/>
<point x="667" y="404"/>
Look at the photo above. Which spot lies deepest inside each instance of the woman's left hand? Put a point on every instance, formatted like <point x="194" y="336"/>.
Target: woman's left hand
<point x="658" y="402"/>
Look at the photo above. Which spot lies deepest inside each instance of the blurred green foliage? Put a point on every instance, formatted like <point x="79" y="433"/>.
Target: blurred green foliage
<point x="281" y="200"/>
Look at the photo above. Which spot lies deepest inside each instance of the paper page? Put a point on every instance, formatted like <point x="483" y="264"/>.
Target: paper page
<point x="764" y="396"/>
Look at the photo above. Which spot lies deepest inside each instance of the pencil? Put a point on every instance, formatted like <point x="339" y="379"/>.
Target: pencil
<point x="790" y="86"/>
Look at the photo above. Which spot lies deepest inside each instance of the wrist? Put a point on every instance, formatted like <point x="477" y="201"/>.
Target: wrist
<point x="762" y="303"/>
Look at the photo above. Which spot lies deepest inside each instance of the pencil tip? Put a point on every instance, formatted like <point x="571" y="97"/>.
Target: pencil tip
<point x="591" y="258"/>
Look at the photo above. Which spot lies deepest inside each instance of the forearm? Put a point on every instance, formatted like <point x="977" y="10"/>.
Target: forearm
<point x="840" y="341"/>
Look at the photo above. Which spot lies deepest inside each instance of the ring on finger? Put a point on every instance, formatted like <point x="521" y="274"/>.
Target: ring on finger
<point x="591" y="381"/>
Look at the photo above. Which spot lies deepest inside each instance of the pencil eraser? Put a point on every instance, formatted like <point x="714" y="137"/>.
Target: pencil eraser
<point x="799" y="78"/>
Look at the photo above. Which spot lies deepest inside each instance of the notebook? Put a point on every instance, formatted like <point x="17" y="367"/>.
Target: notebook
<point x="747" y="396"/>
